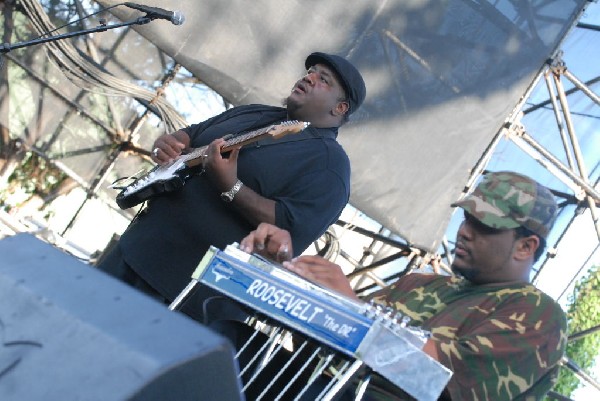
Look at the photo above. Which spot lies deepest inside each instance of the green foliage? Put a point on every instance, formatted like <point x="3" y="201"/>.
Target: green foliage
<point x="34" y="177"/>
<point x="583" y="314"/>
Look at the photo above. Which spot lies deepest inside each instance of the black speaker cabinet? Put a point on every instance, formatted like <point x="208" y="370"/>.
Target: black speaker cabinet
<point x="70" y="332"/>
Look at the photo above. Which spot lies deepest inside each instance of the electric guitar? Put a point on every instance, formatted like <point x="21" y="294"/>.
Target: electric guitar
<point x="172" y="176"/>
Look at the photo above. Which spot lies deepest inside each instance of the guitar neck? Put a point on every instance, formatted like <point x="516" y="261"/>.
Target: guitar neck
<point x="244" y="139"/>
<point x="194" y="157"/>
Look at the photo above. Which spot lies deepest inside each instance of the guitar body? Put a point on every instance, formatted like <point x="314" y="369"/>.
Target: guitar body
<point x="149" y="191"/>
<point x="172" y="176"/>
<point x="151" y="185"/>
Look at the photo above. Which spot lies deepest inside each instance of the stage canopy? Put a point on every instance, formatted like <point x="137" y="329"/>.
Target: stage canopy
<point x="442" y="78"/>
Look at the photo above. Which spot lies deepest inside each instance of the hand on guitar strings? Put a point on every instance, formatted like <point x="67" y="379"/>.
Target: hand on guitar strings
<point x="221" y="171"/>
<point x="275" y="243"/>
<point x="270" y="242"/>
<point x="168" y="147"/>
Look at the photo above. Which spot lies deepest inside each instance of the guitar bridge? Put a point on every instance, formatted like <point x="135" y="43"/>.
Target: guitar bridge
<point x="118" y="180"/>
<point x="133" y="179"/>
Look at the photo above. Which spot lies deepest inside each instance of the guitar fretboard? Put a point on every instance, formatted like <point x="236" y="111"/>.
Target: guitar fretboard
<point x="196" y="153"/>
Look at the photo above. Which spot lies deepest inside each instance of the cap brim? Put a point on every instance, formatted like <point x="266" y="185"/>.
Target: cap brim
<point x="486" y="209"/>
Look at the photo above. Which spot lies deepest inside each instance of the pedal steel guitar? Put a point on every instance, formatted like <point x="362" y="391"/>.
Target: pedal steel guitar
<point x="365" y="333"/>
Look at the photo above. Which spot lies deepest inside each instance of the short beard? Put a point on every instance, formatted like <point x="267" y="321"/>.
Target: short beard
<point x="466" y="274"/>
<point x="290" y="106"/>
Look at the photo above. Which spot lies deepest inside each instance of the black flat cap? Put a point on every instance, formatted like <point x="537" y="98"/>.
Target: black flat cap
<point x="351" y="80"/>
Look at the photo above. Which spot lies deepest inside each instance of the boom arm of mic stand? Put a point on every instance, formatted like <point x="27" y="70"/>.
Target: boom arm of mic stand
<point x="6" y="47"/>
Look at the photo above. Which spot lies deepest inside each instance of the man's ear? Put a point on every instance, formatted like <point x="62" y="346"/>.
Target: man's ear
<point x="526" y="247"/>
<point x="341" y="108"/>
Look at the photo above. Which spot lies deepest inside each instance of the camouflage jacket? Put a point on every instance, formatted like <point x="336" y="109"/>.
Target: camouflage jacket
<point x="502" y="342"/>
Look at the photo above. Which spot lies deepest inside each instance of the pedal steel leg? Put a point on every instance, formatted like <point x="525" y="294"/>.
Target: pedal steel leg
<point x="183" y="295"/>
<point x="362" y="387"/>
<point x="297" y="375"/>
<point x="327" y="395"/>
<point x="323" y="364"/>
<point x="278" y="375"/>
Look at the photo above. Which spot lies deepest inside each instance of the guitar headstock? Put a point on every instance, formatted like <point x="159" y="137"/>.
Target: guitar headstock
<point x="287" y="127"/>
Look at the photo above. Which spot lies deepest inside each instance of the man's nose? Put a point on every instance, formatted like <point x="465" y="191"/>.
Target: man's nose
<point x="311" y="77"/>
<point x="464" y="230"/>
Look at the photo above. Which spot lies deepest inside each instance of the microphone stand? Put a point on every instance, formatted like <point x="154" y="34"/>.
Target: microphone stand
<point x="6" y="47"/>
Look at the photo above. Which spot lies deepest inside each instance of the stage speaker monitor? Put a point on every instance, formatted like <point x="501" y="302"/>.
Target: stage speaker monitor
<point x="71" y="332"/>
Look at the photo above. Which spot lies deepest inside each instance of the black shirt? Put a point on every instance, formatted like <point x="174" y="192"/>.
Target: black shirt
<point x="307" y="174"/>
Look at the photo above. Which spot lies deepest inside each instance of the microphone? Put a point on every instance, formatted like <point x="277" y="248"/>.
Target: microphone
<point x="176" y="17"/>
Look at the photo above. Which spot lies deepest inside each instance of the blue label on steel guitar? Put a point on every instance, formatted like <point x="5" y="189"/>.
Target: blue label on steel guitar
<point x="305" y="308"/>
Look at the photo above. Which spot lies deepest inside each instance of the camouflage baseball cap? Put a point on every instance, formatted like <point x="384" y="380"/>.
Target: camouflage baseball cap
<point x="508" y="200"/>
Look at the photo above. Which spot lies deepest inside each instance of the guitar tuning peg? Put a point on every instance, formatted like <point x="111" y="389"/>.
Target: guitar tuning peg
<point x="375" y="310"/>
<point x="368" y="309"/>
<point x="397" y="317"/>
<point x="389" y="311"/>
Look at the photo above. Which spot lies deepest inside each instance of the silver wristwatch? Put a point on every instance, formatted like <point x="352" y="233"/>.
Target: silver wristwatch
<point x="229" y="195"/>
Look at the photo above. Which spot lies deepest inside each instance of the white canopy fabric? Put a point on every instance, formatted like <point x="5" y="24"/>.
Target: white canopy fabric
<point x="442" y="78"/>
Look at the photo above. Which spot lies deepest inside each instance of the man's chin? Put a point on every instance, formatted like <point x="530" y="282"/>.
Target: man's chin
<point x="458" y="269"/>
<point x="291" y="102"/>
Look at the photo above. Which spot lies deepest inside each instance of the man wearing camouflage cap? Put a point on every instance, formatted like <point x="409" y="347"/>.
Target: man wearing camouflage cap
<point x="503" y="201"/>
<point x="502" y="338"/>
